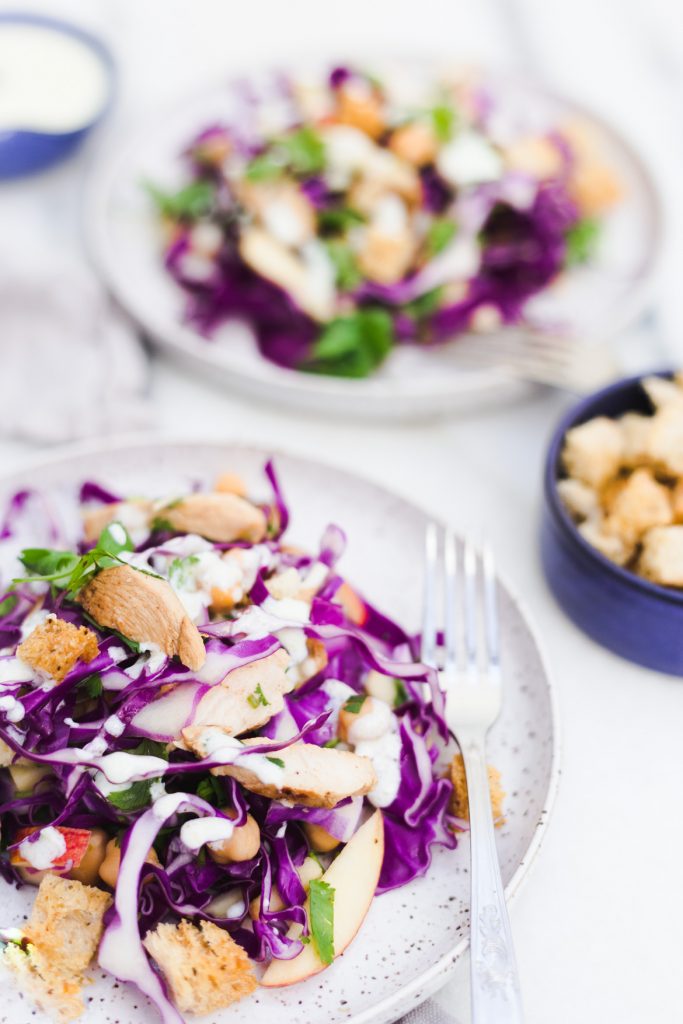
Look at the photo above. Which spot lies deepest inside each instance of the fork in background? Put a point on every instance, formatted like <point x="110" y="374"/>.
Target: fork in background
<point x="473" y="687"/>
<point x="560" y="361"/>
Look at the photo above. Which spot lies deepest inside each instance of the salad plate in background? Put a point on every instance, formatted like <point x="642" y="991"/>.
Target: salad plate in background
<point x="323" y="238"/>
<point x="414" y="933"/>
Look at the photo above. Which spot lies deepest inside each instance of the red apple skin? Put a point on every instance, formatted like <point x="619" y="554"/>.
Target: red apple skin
<point x="352" y="604"/>
<point x="76" y="839"/>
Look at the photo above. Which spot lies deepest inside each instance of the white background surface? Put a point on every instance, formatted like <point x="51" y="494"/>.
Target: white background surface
<point x="599" y="924"/>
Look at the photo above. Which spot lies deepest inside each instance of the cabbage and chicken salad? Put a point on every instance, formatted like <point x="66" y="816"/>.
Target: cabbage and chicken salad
<point x="214" y="728"/>
<point x="354" y="213"/>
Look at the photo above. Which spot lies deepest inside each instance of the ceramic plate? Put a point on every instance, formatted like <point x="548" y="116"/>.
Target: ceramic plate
<point x="125" y="242"/>
<point x="412" y="936"/>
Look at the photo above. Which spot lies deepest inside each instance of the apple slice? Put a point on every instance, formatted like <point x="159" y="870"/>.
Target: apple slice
<point x="76" y="839"/>
<point x="353" y="876"/>
<point x="352" y="603"/>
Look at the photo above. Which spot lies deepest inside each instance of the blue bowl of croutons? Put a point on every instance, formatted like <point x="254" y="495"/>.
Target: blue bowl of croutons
<point x="612" y="529"/>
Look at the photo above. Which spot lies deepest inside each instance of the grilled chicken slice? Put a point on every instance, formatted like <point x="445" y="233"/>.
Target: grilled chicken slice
<point x="218" y="517"/>
<point x="146" y="609"/>
<point x="248" y="697"/>
<point x="310" y="776"/>
<point x="135" y="515"/>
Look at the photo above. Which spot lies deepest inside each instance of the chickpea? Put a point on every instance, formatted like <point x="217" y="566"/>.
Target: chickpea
<point x="319" y="839"/>
<point x="88" y="869"/>
<point x="109" y="868"/>
<point x="243" y="844"/>
<point x="231" y="483"/>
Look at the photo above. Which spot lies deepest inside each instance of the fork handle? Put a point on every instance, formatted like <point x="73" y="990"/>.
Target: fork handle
<point x="496" y="997"/>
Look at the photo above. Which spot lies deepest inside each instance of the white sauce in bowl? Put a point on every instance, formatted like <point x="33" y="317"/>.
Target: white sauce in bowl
<point x="49" y="81"/>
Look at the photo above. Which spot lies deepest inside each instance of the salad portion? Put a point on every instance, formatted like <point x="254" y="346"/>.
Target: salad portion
<point x="215" y="751"/>
<point x="351" y="214"/>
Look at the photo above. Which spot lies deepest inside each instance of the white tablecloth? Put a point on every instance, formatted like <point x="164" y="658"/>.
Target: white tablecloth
<point x="599" y="922"/>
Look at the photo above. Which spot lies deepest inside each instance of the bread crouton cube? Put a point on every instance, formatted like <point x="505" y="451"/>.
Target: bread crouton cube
<point x="55" y="646"/>
<point x="611" y="545"/>
<point x="592" y="451"/>
<point x="665" y="441"/>
<point x="661" y="558"/>
<point x="677" y="501"/>
<point x="639" y="505"/>
<point x="52" y="992"/>
<point x="384" y="257"/>
<point x="66" y="922"/>
<point x="580" y="500"/>
<point x="460" y="805"/>
<point x="635" y="430"/>
<point x="204" y="967"/>
<point x="662" y="392"/>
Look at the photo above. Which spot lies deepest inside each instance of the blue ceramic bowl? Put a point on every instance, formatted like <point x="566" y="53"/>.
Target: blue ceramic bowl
<point x="634" y="618"/>
<point x="24" y="151"/>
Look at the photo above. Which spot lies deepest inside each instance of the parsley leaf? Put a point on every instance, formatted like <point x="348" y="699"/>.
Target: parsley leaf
<point x="439" y="235"/>
<point x="210" y="789"/>
<point x="321" y="899"/>
<point x="348" y="275"/>
<point x="355" y="703"/>
<point x="263" y="167"/>
<point x="8" y="604"/>
<point x="276" y="760"/>
<point x="133" y="797"/>
<point x="189" y="203"/>
<point x="353" y="345"/>
<point x="424" y="305"/>
<point x="68" y="571"/>
<point x="582" y="239"/>
<point x="304" y="151"/>
<point x="339" y="220"/>
<point x="443" y="120"/>
<point x="178" y="570"/>
<point x="258" y="697"/>
<point x="331" y="744"/>
<point x="93" y="685"/>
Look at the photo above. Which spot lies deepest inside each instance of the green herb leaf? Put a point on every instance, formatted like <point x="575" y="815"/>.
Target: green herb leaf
<point x="439" y="234"/>
<point x="443" y="120"/>
<point x="354" y="345"/>
<point x="189" y="203"/>
<point x="276" y="760"/>
<point x="133" y="798"/>
<point x="355" y="703"/>
<point x="151" y="748"/>
<point x="400" y="693"/>
<point x="178" y="570"/>
<point x="258" y="697"/>
<point x="348" y="275"/>
<point x="340" y="220"/>
<point x="264" y="167"/>
<point x="582" y="239"/>
<point x="331" y="744"/>
<point x="321" y="901"/>
<point x="92" y="685"/>
<point x="210" y="789"/>
<point x="304" y="151"/>
<point x="68" y="571"/>
<point x="424" y="305"/>
<point x="114" y="539"/>
<point x="8" y="604"/>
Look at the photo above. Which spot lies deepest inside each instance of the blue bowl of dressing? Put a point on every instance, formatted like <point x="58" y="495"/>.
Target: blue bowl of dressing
<point x="632" y="616"/>
<point x="56" y="83"/>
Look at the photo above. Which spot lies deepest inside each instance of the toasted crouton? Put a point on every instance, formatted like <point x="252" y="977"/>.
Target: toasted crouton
<point x="206" y="969"/>
<point x="55" y="646"/>
<point x="53" y="992"/>
<point x="635" y="430"/>
<point x="580" y="500"/>
<point x="639" y="505"/>
<point x="460" y="805"/>
<point x="592" y="451"/>
<point x="385" y="257"/>
<point x="66" y="922"/>
<point x="676" y="503"/>
<point x="665" y="440"/>
<point x="611" y="545"/>
<point x="144" y="608"/>
<point x="62" y="936"/>
<point x="360" y="108"/>
<point x="661" y="558"/>
<point x="662" y="392"/>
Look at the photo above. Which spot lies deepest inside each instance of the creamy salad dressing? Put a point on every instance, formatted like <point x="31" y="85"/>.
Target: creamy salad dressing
<point x="12" y="707"/>
<point x="202" y="831"/>
<point x="375" y="735"/>
<point x="216" y="746"/>
<point x="41" y="853"/>
<point x="51" y="81"/>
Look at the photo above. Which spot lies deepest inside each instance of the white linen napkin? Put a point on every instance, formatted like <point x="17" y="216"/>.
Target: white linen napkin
<point x="70" y="366"/>
<point x="428" y="1013"/>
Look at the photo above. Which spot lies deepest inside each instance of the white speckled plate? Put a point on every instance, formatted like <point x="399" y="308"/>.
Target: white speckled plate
<point x="412" y="937"/>
<point x="125" y="242"/>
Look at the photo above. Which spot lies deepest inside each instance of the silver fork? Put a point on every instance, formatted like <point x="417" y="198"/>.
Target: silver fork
<point x="557" y="360"/>
<point x="472" y="684"/>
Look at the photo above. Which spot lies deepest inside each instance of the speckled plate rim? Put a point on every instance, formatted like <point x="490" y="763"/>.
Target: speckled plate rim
<point x="384" y="399"/>
<point x="392" y="1007"/>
